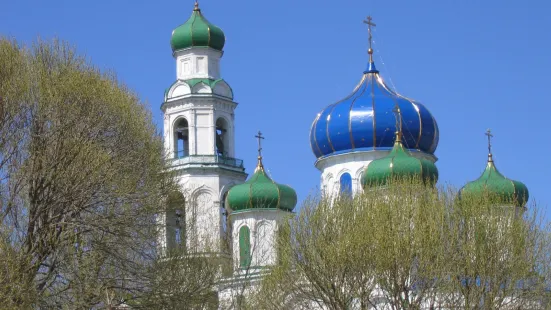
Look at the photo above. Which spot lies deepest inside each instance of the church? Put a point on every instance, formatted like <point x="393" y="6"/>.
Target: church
<point x="358" y="142"/>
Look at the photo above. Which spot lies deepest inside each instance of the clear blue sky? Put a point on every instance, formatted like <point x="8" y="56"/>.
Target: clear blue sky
<point x="474" y="64"/>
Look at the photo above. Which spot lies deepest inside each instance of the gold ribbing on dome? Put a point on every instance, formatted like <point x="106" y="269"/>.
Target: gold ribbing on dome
<point x="259" y="166"/>
<point x="490" y="136"/>
<point x="196" y="8"/>
<point x="370" y="24"/>
<point x="398" y="114"/>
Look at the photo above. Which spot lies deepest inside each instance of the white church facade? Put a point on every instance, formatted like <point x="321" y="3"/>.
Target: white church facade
<point x="371" y="135"/>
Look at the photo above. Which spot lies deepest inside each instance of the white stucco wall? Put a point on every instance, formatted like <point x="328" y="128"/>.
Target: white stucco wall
<point x="354" y="163"/>
<point x="198" y="62"/>
<point x="263" y="225"/>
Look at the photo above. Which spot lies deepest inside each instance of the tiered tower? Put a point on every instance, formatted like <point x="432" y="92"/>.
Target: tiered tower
<point x="199" y="138"/>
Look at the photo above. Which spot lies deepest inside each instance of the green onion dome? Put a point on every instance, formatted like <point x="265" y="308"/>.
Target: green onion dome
<point x="261" y="192"/>
<point x="493" y="182"/>
<point x="197" y="31"/>
<point x="398" y="164"/>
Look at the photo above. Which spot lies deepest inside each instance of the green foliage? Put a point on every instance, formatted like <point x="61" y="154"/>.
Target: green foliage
<point x="181" y="281"/>
<point x="82" y="176"/>
<point x="409" y="246"/>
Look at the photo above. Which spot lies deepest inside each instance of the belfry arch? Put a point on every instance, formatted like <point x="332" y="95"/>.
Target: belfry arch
<point x="222" y="137"/>
<point x="181" y="138"/>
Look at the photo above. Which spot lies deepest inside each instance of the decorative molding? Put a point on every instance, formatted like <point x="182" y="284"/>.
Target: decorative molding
<point x="343" y="171"/>
<point x="363" y="156"/>
<point x="223" y="89"/>
<point x="263" y="222"/>
<point x="178" y="90"/>
<point x="202" y="189"/>
<point x="196" y="101"/>
<point x="201" y="88"/>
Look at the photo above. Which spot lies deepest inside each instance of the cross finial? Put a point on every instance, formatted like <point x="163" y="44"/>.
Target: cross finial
<point x="490" y="136"/>
<point x="196" y="8"/>
<point x="259" y="137"/>
<point x="370" y="24"/>
<point x="398" y="114"/>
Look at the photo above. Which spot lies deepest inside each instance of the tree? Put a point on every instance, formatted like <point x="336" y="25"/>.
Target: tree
<point x="183" y="276"/>
<point x="16" y="290"/>
<point x="321" y="259"/>
<point x="409" y="246"/>
<point x="81" y="169"/>
<point x="183" y="281"/>
<point x="499" y="255"/>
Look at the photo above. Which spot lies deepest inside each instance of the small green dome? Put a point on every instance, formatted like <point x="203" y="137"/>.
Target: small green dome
<point x="397" y="164"/>
<point x="261" y="192"/>
<point x="494" y="182"/>
<point x="197" y="31"/>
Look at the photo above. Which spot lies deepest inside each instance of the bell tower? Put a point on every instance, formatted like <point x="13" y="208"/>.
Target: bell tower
<point x="199" y="136"/>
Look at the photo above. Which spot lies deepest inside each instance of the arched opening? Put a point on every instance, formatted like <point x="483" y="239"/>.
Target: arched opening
<point x="225" y="226"/>
<point x="222" y="137"/>
<point x="244" y="247"/>
<point x="181" y="139"/>
<point x="176" y="221"/>
<point x="346" y="185"/>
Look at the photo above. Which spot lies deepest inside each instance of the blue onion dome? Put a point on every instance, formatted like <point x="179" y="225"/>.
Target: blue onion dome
<point x="363" y="121"/>
<point x="493" y="183"/>
<point x="398" y="164"/>
<point x="261" y="192"/>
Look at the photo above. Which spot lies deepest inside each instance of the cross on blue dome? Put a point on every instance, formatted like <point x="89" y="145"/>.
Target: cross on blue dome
<point x="364" y="120"/>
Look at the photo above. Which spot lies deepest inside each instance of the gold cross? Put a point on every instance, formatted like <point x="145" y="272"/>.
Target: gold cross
<point x="490" y="136"/>
<point x="369" y="25"/>
<point x="260" y="138"/>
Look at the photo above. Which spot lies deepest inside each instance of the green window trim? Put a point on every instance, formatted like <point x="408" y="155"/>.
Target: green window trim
<point x="244" y="247"/>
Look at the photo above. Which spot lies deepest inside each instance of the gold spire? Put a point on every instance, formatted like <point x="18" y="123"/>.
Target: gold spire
<point x="196" y="8"/>
<point x="490" y="136"/>
<point x="398" y="113"/>
<point x="370" y="24"/>
<point x="259" y="166"/>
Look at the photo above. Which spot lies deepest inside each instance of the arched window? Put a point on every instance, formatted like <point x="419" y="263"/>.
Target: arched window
<point x="225" y="229"/>
<point x="178" y="227"/>
<point x="244" y="247"/>
<point x="222" y="137"/>
<point x="176" y="221"/>
<point x="181" y="139"/>
<point x="346" y="185"/>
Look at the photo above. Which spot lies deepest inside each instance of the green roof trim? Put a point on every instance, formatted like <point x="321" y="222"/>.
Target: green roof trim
<point x="192" y="82"/>
<point x="493" y="182"/>
<point x="210" y="82"/>
<point x="261" y="192"/>
<point x="398" y="164"/>
<point x="197" y="31"/>
<point x="256" y="209"/>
